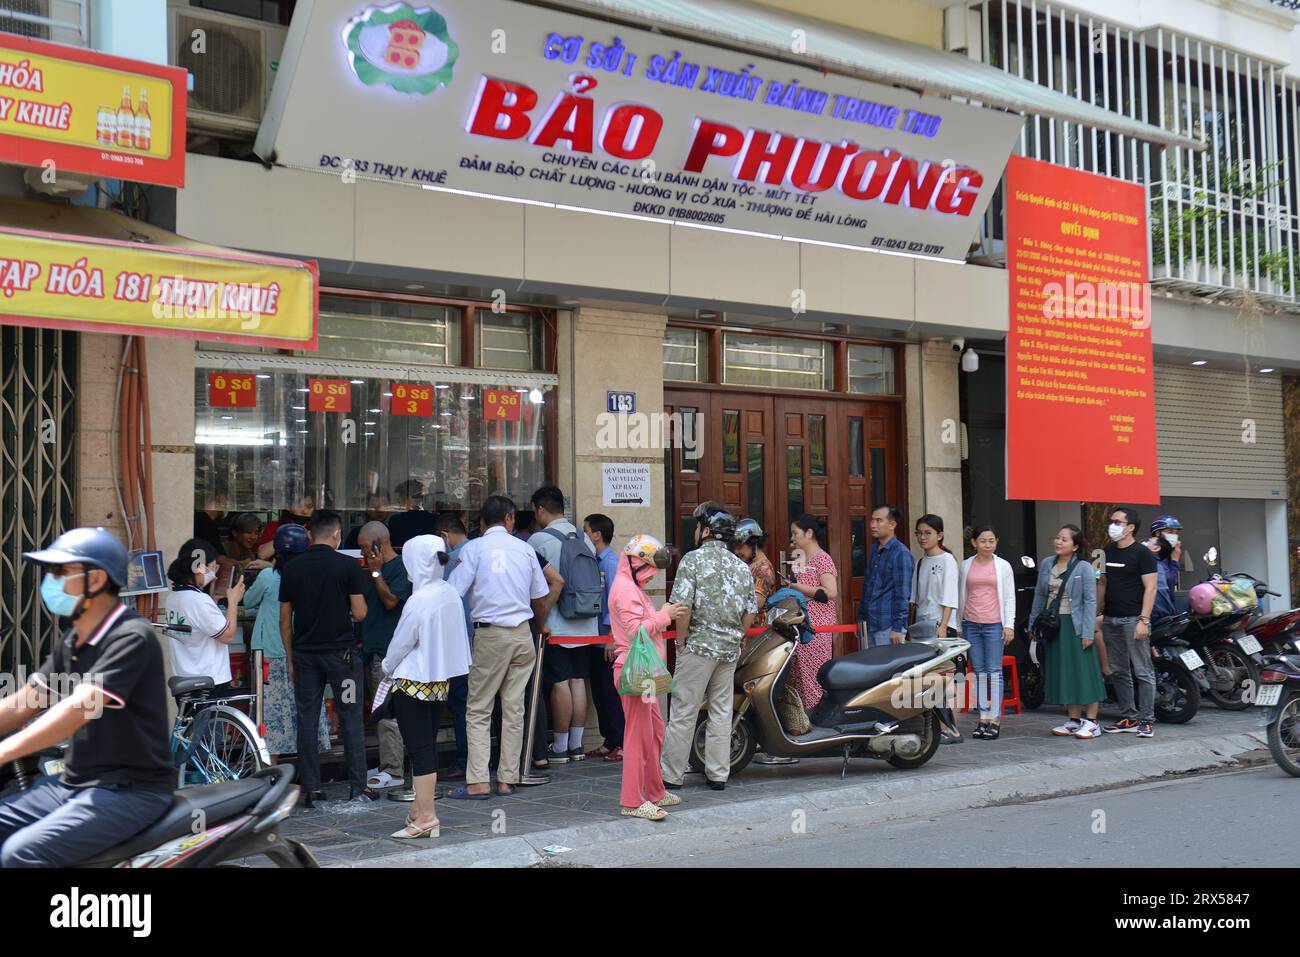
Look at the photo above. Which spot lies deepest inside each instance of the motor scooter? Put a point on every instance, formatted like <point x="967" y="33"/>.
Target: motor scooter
<point x="1279" y="691"/>
<point x="884" y="702"/>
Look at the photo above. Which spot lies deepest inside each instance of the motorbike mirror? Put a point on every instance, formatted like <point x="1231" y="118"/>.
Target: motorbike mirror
<point x="1212" y="556"/>
<point x="1026" y="561"/>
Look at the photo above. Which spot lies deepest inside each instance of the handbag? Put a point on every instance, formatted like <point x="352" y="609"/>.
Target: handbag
<point x="1048" y="624"/>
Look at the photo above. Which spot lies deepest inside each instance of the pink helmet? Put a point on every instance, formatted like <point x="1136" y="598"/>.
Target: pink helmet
<point x="1201" y="597"/>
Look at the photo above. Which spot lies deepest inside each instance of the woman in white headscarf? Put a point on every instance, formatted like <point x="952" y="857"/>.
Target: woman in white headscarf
<point x="430" y="647"/>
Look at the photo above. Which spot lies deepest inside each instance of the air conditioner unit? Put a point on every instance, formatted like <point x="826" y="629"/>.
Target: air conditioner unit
<point x="232" y="61"/>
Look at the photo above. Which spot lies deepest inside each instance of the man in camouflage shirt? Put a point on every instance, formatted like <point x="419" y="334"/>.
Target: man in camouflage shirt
<point x="716" y="592"/>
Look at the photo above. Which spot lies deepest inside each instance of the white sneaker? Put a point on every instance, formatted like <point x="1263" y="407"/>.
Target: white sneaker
<point x="1087" y="730"/>
<point x="1067" y="729"/>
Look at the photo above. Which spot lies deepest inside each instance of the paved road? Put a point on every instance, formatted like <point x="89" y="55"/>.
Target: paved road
<point x="1150" y="825"/>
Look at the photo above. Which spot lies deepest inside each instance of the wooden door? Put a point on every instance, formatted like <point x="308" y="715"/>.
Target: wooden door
<point x="811" y="468"/>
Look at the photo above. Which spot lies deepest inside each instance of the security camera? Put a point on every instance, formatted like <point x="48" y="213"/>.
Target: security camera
<point x="958" y="343"/>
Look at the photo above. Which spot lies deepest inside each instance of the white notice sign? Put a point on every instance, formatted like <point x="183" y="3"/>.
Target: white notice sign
<point x="626" y="483"/>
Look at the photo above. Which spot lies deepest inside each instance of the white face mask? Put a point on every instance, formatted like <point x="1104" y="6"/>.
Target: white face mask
<point x="1116" y="532"/>
<point x="209" y="574"/>
<point x="1171" y="538"/>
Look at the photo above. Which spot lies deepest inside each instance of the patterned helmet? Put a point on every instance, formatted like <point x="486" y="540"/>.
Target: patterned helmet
<point x="648" y="549"/>
<point x="721" y="524"/>
<point x="1165" y="522"/>
<point x="747" y="530"/>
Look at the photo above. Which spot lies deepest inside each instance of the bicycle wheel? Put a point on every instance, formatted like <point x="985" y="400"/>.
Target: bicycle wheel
<point x="223" y="749"/>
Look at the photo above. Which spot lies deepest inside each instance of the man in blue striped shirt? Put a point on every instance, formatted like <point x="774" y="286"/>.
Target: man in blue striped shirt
<point x="887" y="587"/>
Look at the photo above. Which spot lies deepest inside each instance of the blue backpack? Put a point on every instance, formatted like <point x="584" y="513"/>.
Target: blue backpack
<point x="581" y="573"/>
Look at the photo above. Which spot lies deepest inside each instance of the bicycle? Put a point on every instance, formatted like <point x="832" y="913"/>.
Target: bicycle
<point x="212" y="741"/>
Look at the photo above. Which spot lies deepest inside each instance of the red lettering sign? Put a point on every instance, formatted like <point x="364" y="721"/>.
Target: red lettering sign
<point x="329" y="395"/>
<point x="412" y="400"/>
<point x="1081" y="418"/>
<point x="501" y="405"/>
<point x="227" y="391"/>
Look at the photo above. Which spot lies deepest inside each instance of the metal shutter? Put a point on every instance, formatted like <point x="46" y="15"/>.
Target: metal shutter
<point x="1201" y="418"/>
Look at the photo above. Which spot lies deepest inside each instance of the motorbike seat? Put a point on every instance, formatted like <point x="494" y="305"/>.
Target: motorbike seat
<point x="871" y="666"/>
<point x="188" y="684"/>
<point x="217" y="802"/>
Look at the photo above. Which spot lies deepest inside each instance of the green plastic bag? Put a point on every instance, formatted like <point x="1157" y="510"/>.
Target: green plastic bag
<point x="643" y="669"/>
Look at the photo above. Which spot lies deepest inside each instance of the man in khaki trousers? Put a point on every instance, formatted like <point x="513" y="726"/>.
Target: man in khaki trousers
<point x="503" y="579"/>
<point x="716" y="592"/>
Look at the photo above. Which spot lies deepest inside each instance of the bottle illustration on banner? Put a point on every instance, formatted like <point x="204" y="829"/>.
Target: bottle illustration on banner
<point x="143" y="123"/>
<point x="125" y="120"/>
<point x="106" y="126"/>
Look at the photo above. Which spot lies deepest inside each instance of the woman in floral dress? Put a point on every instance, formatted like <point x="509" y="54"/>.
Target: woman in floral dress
<point x="815" y="573"/>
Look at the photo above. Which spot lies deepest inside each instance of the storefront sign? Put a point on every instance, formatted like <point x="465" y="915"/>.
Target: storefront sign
<point x="66" y="108"/>
<point x="625" y="483"/>
<point x="329" y="395"/>
<point x="1081" y="422"/>
<point x="227" y="390"/>
<point x="620" y="402"/>
<point x="97" y="285"/>
<point x="501" y="405"/>
<point x="411" y="399"/>
<point x="581" y="113"/>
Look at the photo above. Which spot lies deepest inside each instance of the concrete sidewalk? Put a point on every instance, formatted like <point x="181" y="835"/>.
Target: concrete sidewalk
<point x="579" y="810"/>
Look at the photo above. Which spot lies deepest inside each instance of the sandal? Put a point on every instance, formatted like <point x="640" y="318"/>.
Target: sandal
<point x="646" y="811"/>
<point x="500" y="786"/>
<point x="380" y="780"/>
<point x="615" y="755"/>
<point x="981" y="731"/>
<point x="946" y="737"/>
<point x="993" y="731"/>
<point x="462" y="793"/>
<point x="541" y="764"/>
<point x="413" y="833"/>
<point x="669" y="800"/>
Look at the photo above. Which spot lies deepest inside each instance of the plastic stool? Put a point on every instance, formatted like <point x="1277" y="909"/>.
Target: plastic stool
<point x="1010" y="686"/>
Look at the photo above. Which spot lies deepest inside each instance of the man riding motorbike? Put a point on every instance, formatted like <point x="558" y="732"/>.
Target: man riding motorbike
<point x="102" y="686"/>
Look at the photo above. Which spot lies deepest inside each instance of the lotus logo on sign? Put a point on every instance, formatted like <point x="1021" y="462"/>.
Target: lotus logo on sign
<point x="403" y="47"/>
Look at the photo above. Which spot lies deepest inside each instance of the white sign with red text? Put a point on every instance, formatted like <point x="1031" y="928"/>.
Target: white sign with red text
<point x="519" y="101"/>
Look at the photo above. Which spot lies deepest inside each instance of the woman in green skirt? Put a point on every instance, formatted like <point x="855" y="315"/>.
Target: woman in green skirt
<point x="1073" y="675"/>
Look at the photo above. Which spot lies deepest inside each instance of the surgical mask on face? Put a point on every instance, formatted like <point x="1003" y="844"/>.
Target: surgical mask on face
<point x="55" y="598"/>
<point x="209" y="574"/>
<point x="1116" y="532"/>
<point x="1171" y="538"/>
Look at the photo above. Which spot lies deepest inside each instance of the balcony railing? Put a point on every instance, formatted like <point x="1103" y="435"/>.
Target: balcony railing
<point x="1224" y="222"/>
<point x="63" y="21"/>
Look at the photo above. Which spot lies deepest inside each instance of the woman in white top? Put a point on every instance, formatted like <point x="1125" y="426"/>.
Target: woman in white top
<point x="987" y="602"/>
<point x="430" y="647"/>
<point x="198" y="631"/>
<point x="935" y="587"/>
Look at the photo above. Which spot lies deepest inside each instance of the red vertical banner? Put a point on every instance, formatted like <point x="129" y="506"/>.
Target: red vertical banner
<point x="329" y="395"/>
<point x="1081" y="418"/>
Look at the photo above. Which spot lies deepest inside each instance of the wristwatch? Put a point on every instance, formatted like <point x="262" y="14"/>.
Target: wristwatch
<point x="1145" y="621"/>
<point x="375" y="574"/>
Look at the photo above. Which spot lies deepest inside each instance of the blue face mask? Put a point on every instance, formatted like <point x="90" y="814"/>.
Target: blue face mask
<point x="56" y="599"/>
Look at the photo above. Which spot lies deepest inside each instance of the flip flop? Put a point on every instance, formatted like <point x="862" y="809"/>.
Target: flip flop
<point x="462" y="794"/>
<point x="497" y="789"/>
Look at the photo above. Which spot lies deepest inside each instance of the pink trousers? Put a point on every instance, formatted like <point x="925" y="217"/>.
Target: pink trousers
<point x="643" y="742"/>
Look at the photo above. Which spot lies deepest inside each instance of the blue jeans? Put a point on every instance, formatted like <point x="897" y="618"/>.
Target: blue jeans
<point x="312" y="670"/>
<point x="53" y="825"/>
<point x="986" y="658"/>
<point x="880" y="637"/>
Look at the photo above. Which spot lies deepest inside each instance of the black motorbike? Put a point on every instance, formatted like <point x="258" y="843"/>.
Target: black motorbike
<point x="1279" y="691"/>
<point x="208" y="825"/>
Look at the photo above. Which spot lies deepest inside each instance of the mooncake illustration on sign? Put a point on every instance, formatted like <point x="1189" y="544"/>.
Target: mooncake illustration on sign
<point x="400" y="46"/>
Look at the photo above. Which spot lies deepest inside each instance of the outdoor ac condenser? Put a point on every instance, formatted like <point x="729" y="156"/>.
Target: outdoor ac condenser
<point x="232" y="61"/>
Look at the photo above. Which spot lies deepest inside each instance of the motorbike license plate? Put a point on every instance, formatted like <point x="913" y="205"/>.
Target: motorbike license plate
<point x="1191" y="659"/>
<point x="1249" y="644"/>
<point x="1268" y="695"/>
<point x="51" y="767"/>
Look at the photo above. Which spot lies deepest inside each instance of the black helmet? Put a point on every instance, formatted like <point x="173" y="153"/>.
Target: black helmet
<point x="747" y="530"/>
<point x="92" y="547"/>
<point x="721" y="524"/>
<point x="290" y="539"/>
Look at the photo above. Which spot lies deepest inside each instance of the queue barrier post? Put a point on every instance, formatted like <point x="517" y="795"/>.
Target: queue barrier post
<point x="527" y="777"/>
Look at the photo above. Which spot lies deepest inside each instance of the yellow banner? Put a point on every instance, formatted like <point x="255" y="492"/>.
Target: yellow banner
<point x="96" y="285"/>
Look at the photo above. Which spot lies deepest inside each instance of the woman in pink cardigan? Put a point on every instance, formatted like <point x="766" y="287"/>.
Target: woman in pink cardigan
<point x="630" y="608"/>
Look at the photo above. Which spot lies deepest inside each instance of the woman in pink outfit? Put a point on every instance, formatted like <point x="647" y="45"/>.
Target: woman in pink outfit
<point x="630" y="609"/>
<point x="816" y="576"/>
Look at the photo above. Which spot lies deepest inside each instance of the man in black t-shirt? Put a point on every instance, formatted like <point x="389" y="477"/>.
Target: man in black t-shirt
<point x="1125" y="596"/>
<point x="406" y="525"/>
<point x="101" y="686"/>
<point x="321" y="594"/>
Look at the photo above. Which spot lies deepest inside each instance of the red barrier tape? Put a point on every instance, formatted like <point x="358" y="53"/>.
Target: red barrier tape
<point x="609" y="639"/>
